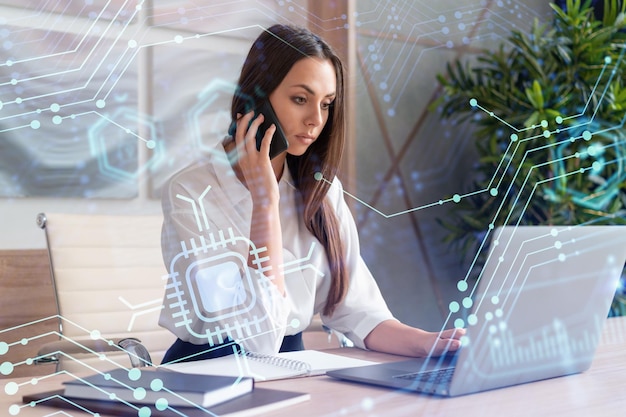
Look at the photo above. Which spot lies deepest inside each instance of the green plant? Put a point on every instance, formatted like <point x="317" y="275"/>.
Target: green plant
<point x="548" y="109"/>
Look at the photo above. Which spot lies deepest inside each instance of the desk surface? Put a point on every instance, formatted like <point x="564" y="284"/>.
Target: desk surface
<point x="598" y="392"/>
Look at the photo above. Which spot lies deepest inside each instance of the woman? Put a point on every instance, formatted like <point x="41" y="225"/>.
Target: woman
<point x="256" y="246"/>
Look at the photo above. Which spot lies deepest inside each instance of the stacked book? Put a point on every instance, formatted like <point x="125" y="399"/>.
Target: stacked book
<point x="162" y="393"/>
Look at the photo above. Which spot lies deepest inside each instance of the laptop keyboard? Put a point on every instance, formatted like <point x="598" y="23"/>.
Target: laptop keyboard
<point x="439" y="376"/>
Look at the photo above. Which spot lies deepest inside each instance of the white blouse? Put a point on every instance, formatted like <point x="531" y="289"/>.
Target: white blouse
<point x="213" y="294"/>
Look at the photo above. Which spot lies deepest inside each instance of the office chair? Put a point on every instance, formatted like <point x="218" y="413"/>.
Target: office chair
<point x="109" y="278"/>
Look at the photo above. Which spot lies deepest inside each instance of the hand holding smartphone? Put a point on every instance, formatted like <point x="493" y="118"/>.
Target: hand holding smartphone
<point x="279" y="141"/>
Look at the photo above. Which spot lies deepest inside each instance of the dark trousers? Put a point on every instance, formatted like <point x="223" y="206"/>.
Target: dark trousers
<point x="182" y="351"/>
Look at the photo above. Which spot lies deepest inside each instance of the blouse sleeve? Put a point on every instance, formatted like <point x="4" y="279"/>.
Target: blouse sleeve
<point x="211" y="292"/>
<point x="363" y="308"/>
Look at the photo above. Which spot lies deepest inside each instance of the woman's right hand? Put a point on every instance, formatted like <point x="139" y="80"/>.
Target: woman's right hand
<point x="255" y="166"/>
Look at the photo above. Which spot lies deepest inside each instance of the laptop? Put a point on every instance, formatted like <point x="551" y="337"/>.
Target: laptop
<point x="537" y="312"/>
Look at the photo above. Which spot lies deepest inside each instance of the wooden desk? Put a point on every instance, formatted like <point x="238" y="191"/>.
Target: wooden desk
<point x="597" y="392"/>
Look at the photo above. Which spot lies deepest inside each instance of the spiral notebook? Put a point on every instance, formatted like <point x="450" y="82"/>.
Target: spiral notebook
<point x="264" y="367"/>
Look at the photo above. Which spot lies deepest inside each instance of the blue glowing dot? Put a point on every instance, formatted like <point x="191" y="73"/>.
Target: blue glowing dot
<point x="144" y="412"/>
<point x="459" y="323"/>
<point x="134" y="374"/>
<point x="4" y="348"/>
<point x="35" y="124"/>
<point x="514" y="137"/>
<point x="467" y="302"/>
<point x="558" y="119"/>
<point x="461" y="285"/>
<point x="493" y="192"/>
<point x="295" y="323"/>
<point x="6" y="368"/>
<point x="544" y="123"/>
<point x="454" y="307"/>
<point x="178" y="39"/>
<point x="156" y="384"/>
<point x="495" y="299"/>
<point x="473" y="102"/>
<point x="546" y="133"/>
<point x="100" y="104"/>
<point x="139" y="393"/>
<point x="150" y="144"/>
<point x="587" y="135"/>
<point x="456" y="198"/>
<point x="607" y="60"/>
<point x="161" y="404"/>
<point x="318" y="176"/>
<point x="14" y="409"/>
<point x="472" y="319"/>
<point x="132" y="43"/>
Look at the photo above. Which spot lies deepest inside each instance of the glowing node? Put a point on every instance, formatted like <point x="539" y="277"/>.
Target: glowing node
<point x="546" y="133"/>
<point x="14" y="410"/>
<point x="94" y="334"/>
<point x="493" y="192"/>
<point x="459" y="323"/>
<point x="139" y="393"/>
<point x="156" y="384"/>
<point x="461" y="285"/>
<point x="514" y="137"/>
<point x="132" y="43"/>
<point x="295" y="323"/>
<point x="13" y="81"/>
<point x="34" y="381"/>
<point x="456" y="198"/>
<point x="489" y="316"/>
<point x="558" y="119"/>
<point x="178" y="39"/>
<point x="467" y="302"/>
<point x="112" y="396"/>
<point x="499" y="312"/>
<point x="607" y="60"/>
<point x="11" y="388"/>
<point x="491" y="226"/>
<point x="100" y="104"/>
<point x="18" y="100"/>
<point x="4" y="348"/>
<point x="29" y="361"/>
<point x="161" y="404"/>
<point x="558" y="244"/>
<point x="318" y="176"/>
<point x="587" y="135"/>
<point x="495" y="299"/>
<point x="454" y="307"/>
<point x="144" y="412"/>
<point x="35" y="124"/>
<point x="134" y="374"/>
<point x="472" y="319"/>
<point x="24" y="341"/>
<point x="150" y="144"/>
<point x="562" y="257"/>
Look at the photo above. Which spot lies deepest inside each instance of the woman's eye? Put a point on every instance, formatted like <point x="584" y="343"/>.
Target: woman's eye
<point x="299" y="100"/>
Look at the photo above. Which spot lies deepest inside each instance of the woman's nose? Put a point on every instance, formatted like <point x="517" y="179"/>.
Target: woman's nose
<point x="315" y="116"/>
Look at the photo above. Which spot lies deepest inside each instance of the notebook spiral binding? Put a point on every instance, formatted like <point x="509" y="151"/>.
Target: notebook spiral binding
<point x="292" y="364"/>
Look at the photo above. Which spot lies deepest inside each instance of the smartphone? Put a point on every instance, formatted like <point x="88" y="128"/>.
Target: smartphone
<point x="279" y="141"/>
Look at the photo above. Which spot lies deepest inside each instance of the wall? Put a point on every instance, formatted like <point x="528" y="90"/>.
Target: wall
<point x="99" y="107"/>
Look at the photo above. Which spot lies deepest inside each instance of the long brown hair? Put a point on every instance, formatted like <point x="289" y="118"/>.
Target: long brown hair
<point x="271" y="57"/>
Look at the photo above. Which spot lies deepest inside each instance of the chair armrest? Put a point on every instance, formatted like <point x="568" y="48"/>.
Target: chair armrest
<point x="138" y="354"/>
